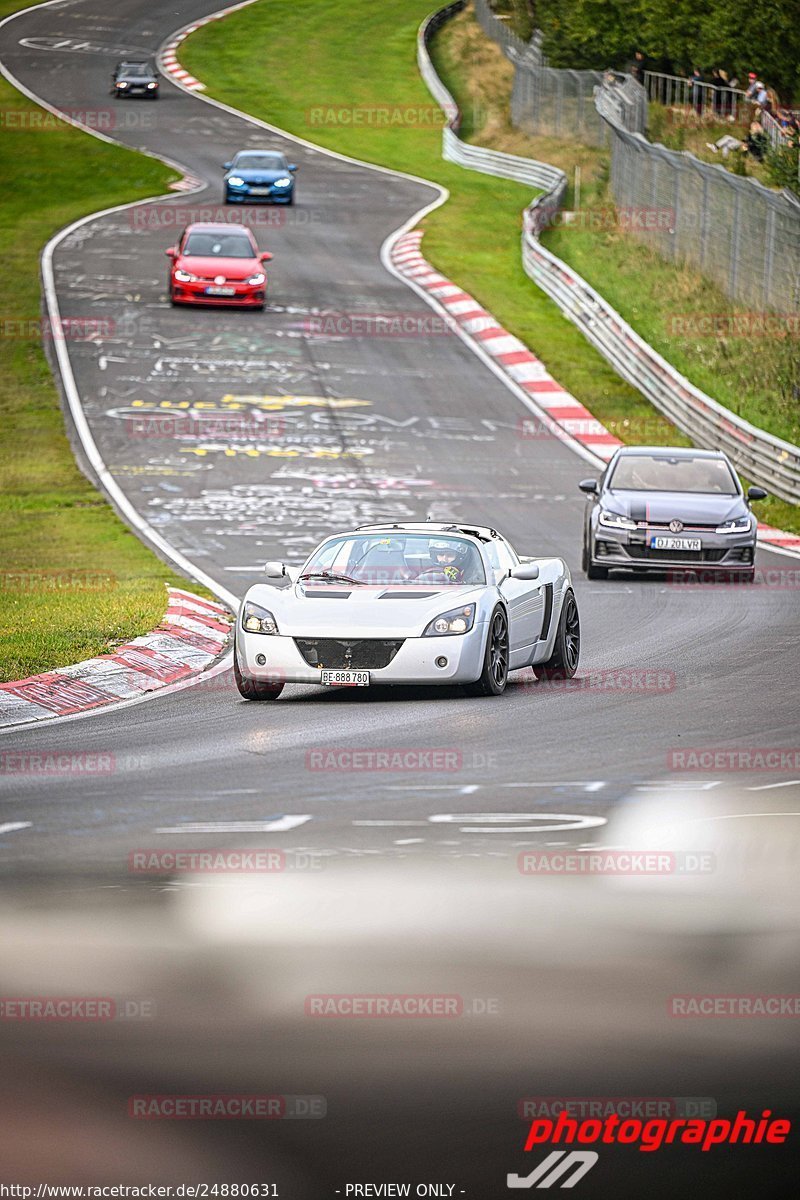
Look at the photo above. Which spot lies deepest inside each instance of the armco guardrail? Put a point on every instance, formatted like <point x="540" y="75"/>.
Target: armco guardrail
<point x="764" y="459"/>
<point x="551" y="180"/>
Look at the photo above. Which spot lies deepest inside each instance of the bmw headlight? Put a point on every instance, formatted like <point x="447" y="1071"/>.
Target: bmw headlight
<point x="256" y="279"/>
<point x="152" y="85"/>
<point x="122" y="85"/>
<point x="457" y="620"/>
<point x="235" y="181"/>
<point x="256" y="619"/>
<point x="615" y="521"/>
<point x="284" y="181"/>
<point x="737" y="525"/>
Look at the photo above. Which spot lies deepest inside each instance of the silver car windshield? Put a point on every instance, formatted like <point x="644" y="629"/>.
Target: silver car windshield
<point x="660" y="473"/>
<point x="400" y="559"/>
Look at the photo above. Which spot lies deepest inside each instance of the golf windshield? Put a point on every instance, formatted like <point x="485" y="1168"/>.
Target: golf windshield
<point x="218" y="245"/>
<point x="402" y="559"/>
<point x="662" y="473"/>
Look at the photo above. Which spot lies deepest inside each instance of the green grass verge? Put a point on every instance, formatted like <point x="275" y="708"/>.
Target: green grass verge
<point x="338" y="78"/>
<point x="74" y="581"/>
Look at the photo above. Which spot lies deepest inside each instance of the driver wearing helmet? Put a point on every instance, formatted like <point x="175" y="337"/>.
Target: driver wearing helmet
<point x="445" y="556"/>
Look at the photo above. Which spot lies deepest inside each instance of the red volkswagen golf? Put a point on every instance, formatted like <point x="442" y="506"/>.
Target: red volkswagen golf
<point x="215" y="263"/>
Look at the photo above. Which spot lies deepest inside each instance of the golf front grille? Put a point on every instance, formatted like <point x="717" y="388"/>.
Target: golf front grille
<point x="361" y="654"/>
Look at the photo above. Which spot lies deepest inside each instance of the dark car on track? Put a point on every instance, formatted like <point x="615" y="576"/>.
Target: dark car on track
<point x="261" y="176"/>
<point x="135" y="78"/>
<point x="659" y="508"/>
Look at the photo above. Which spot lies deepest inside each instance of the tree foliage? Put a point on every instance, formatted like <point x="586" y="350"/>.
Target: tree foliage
<point x="675" y="35"/>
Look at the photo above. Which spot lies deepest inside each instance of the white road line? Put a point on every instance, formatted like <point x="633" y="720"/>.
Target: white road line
<point x="270" y="825"/>
<point x="765" y="787"/>
<point x="13" y="826"/>
<point x="387" y="823"/>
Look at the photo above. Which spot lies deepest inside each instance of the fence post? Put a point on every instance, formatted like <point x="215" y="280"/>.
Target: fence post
<point x="734" y="267"/>
<point x="769" y="251"/>
<point x="704" y="223"/>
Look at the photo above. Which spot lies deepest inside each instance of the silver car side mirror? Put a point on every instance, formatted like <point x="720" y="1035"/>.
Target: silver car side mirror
<point x="525" y="571"/>
<point x="274" y="569"/>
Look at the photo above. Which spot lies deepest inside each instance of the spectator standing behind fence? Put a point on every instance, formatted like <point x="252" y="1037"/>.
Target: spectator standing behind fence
<point x="697" y="85"/>
<point x="637" y="66"/>
<point x="727" y="96"/>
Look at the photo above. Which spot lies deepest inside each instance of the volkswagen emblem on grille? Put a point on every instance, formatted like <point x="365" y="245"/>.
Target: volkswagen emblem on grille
<point x="675" y="526"/>
<point x="219" y="279"/>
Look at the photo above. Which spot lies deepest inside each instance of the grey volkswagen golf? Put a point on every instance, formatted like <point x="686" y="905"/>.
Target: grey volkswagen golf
<point x="659" y="508"/>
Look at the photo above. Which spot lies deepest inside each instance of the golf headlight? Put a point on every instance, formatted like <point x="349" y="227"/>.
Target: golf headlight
<point x="457" y="620"/>
<point x="185" y="276"/>
<point x="152" y="85"/>
<point x="283" y="182"/>
<point x="122" y="85"/>
<point x="737" y="525"/>
<point x="615" y="521"/>
<point x="256" y="279"/>
<point x="256" y="619"/>
<point x="235" y="181"/>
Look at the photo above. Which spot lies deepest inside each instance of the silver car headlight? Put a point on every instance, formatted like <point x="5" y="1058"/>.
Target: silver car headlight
<point x="737" y="525"/>
<point x="457" y="620"/>
<point x="614" y="521"/>
<point x="256" y="619"/>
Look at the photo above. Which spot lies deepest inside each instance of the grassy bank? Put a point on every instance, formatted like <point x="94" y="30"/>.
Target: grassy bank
<point x="338" y="74"/>
<point x="73" y="580"/>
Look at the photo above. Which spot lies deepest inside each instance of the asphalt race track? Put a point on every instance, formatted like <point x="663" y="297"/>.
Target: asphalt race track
<point x="313" y="433"/>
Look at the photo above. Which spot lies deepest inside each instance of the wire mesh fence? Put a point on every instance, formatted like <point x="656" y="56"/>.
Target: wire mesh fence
<point x="557" y="103"/>
<point x="737" y="232"/>
<point x="741" y="235"/>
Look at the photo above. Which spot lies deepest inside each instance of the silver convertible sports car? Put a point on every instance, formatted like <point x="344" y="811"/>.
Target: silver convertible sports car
<point x="407" y="604"/>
